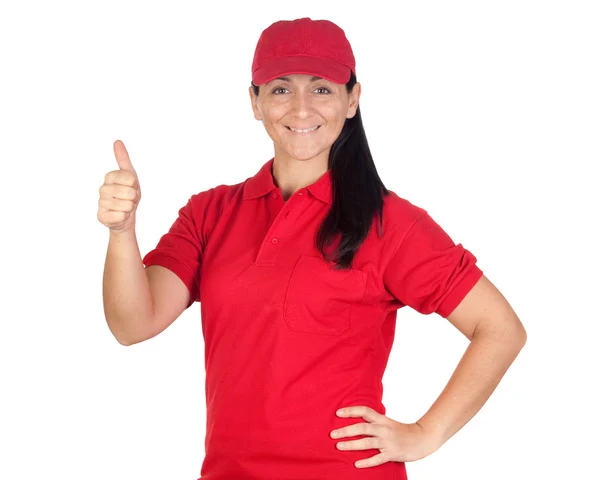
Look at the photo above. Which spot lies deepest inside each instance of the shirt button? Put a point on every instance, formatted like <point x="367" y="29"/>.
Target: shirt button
<point x="300" y="193"/>
<point x="274" y="240"/>
<point x="274" y="195"/>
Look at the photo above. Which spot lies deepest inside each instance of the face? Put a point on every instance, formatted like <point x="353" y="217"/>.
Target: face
<point x="303" y="102"/>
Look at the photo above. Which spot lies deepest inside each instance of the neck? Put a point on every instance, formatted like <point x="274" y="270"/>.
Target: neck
<point x="294" y="174"/>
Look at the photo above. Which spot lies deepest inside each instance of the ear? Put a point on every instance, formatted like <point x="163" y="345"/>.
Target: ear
<point x="353" y="98"/>
<point x="254" y="103"/>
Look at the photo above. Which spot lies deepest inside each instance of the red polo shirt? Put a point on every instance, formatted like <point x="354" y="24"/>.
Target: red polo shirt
<point x="289" y="340"/>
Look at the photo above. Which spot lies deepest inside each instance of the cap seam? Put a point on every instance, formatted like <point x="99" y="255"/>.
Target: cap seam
<point x="305" y="33"/>
<point x="306" y="55"/>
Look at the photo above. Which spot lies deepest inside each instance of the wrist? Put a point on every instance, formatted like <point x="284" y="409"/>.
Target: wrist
<point x="434" y="431"/>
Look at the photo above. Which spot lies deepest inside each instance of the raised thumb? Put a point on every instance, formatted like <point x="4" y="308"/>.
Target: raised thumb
<point x="122" y="156"/>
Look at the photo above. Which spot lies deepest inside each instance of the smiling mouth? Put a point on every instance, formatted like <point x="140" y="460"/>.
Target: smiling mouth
<point x="303" y="131"/>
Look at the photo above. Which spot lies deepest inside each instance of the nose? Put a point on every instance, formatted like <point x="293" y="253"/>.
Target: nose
<point x="301" y="104"/>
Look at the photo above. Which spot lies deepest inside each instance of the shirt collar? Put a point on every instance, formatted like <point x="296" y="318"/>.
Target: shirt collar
<point x="263" y="183"/>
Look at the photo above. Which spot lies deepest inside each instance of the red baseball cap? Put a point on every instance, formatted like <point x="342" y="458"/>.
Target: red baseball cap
<point x="313" y="47"/>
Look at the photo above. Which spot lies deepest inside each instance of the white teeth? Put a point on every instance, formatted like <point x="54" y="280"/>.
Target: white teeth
<point x="305" y="130"/>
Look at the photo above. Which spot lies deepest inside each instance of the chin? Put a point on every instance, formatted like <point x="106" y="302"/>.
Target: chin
<point x="305" y="156"/>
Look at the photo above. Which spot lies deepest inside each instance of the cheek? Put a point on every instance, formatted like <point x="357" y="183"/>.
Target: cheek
<point x="273" y="130"/>
<point x="336" y="121"/>
<point x="271" y="118"/>
<point x="335" y="114"/>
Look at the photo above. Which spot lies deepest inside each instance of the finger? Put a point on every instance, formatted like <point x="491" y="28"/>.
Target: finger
<point x="360" y="428"/>
<point x="361" y="444"/>
<point x="113" y="217"/>
<point x="122" y="177"/>
<point x="373" y="461"/>
<point x="363" y="411"/>
<point x="123" y="192"/>
<point x="116" y="205"/>
<point x="122" y="156"/>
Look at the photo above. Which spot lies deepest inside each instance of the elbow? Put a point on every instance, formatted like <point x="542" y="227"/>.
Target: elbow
<point x="516" y="337"/>
<point x="124" y="342"/>
<point x="511" y="334"/>
<point x="522" y="335"/>
<point x="122" y="339"/>
<point x="127" y="341"/>
<point x="519" y="333"/>
<point x="120" y="336"/>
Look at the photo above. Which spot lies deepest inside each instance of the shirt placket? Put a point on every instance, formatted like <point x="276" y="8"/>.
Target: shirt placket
<point x="285" y="213"/>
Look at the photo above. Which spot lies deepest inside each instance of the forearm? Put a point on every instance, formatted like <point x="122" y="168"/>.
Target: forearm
<point x="484" y="363"/>
<point x="126" y="291"/>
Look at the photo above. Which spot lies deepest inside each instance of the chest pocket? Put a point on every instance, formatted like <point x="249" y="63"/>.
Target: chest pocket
<point x="319" y="299"/>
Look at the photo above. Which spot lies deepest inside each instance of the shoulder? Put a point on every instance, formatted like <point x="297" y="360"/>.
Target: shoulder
<point x="216" y="197"/>
<point x="399" y="213"/>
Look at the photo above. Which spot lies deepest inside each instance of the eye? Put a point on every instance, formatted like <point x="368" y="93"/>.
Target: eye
<point x="275" y="90"/>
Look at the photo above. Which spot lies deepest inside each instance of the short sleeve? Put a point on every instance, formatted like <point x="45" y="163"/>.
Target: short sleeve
<point x="428" y="271"/>
<point x="180" y="250"/>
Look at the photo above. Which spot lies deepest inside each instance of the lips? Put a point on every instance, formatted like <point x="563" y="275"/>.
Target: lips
<point x="303" y="130"/>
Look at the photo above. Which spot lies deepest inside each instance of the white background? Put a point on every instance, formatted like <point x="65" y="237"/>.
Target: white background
<point x="484" y="113"/>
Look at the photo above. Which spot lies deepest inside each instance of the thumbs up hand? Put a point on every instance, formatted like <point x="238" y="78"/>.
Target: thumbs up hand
<point x="120" y="194"/>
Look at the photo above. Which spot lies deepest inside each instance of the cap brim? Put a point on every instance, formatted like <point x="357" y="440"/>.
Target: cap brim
<point x="320" y="67"/>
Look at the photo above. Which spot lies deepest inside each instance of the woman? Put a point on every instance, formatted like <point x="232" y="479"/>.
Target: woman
<point x="300" y="271"/>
